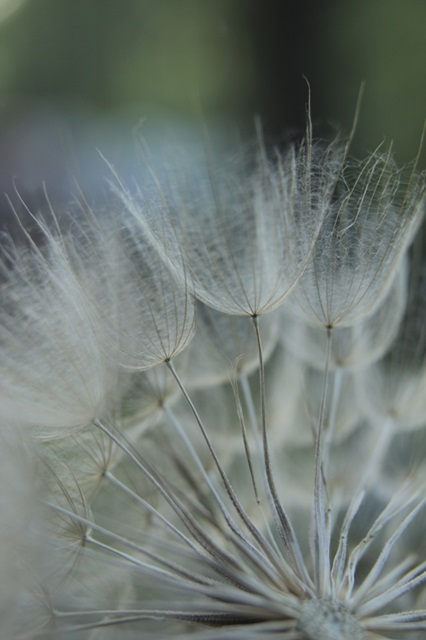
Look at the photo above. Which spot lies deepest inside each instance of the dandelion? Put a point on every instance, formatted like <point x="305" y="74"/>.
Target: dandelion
<point x="212" y="481"/>
<point x="204" y="561"/>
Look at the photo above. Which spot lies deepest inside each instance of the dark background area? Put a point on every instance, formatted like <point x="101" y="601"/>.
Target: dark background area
<point x="82" y="75"/>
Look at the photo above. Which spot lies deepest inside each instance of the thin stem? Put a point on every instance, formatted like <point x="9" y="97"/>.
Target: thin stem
<point x="248" y="397"/>
<point x="283" y="522"/>
<point x="183" y="436"/>
<point x="258" y="444"/>
<point x="371" y="469"/>
<point x="151" y="509"/>
<point x="178" y="574"/>
<point x="342" y="549"/>
<point x="321" y="546"/>
<point x="372" y="577"/>
<point x="398" y="503"/>
<point x="242" y="423"/>
<point x="223" y="561"/>
<point x="277" y="563"/>
<point x="331" y="422"/>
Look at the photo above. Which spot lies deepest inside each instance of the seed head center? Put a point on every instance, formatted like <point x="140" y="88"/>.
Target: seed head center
<point x="328" y="620"/>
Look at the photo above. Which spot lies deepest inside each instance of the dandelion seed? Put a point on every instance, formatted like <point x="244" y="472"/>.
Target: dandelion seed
<point x="55" y="373"/>
<point x="245" y="236"/>
<point x="354" y="347"/>
<point x="372" y="217"/>
<point x="156" y="313"/>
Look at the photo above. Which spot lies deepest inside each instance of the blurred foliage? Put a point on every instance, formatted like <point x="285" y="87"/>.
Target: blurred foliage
<point x="383" y="43"/>
<point x="232" y="57"/>
<point x="112" y="53"/>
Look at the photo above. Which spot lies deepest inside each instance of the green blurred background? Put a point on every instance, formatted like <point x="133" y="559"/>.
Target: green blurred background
<point x="81" y="74"/>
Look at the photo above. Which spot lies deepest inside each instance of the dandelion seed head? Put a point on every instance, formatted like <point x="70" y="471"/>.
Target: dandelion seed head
<point x="227" y="476"/>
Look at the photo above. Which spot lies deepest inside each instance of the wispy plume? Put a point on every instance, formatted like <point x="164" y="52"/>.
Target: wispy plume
<point x="206" y="370"/>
